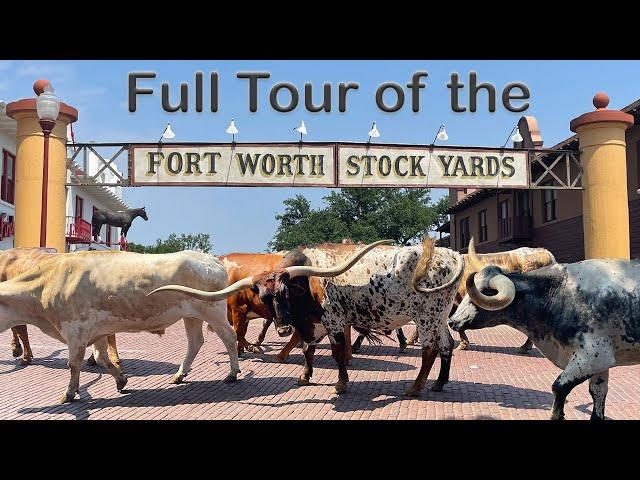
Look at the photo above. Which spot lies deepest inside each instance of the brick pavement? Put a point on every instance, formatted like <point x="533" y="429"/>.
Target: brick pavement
<point x="488" y="381"/>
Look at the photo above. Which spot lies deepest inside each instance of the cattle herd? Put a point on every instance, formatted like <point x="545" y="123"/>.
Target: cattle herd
<point x="584" y="317"/>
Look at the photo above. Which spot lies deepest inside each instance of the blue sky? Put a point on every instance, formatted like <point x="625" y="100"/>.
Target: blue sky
<point x="242" y="219"/>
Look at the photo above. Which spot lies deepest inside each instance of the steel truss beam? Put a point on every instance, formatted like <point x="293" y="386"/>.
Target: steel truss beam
<point x="548" y="169"/>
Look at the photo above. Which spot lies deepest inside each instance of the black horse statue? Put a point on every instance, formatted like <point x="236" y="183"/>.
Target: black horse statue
<point x="120" y="219"/>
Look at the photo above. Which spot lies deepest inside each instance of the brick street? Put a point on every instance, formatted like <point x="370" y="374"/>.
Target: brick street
<point x="491" y="380"/>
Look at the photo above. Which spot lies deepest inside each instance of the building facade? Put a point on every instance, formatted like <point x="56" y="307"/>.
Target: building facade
<point x="504" y="219"/>
<point x="80" y="200"/>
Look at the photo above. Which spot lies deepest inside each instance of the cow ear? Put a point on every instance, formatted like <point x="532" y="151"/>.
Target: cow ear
<point x="297" y="290"/>
<point x="284" y="277"/>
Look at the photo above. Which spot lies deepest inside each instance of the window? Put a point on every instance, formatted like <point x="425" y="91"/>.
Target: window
<point x="8" y="175"/>
<point x="549" y="198"/>
<point x="79" y="206"/>
<point x="464" y="232"/>
<point x="505" y="221"/>
<point x="482" y="226"/>
<point x="523" y="198"/>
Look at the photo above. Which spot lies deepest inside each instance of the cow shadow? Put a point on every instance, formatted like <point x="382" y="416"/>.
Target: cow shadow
<point x="134" y="367"/>
<point x="368" y="395"/>
<point x="533" y="353"/>
<point x="365" y="395"/>
<point x="76" y="409"/>
<point x="326" y="361"/>
<point x="53" y="360"/>
<point x="365" y="350"/>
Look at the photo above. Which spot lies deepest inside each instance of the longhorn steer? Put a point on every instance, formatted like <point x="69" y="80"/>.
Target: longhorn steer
<point x="584" y="317"/>
<point x="523" y="259"/>
<point x="14" y="262"/>
<point x="246" y="304"/>
<point x="82" y="298"/>
<point x="374" y="295"/>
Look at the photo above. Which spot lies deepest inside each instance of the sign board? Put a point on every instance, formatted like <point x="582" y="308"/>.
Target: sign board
<point x="405" y="166"/>
<point x="327" y="165"/>
<point x="285" y="165"/>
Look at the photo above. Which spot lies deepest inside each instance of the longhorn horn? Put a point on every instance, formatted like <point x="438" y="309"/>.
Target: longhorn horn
<point x="505" y="287"/>
<point x="306" y="271"/>
<point x="210" y="296"/>
<point x="474" y="260"/>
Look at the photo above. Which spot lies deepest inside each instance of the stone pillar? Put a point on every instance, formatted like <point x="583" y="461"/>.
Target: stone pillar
<point x="603" y="155"/>
<point x="28" y="179"/>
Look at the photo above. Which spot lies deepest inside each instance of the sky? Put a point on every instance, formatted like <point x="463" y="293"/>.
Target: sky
<point x="243" y="218"/>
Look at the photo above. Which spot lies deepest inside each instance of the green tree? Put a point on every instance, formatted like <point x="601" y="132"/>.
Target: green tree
<point x="175" y="243"/>
<point x="361" y="214"/>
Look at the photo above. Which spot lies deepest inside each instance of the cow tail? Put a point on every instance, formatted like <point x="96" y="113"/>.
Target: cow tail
<point x="424" y="263"/>
<point x="372" y="338"/>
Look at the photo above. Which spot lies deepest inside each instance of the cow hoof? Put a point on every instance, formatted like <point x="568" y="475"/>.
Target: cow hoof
<point x="17" y="350"/>
<point x="436" y="387"/>
<point x="25" y="361"/>
<point x="412" y="392"/>
<point x="67" y="397"/>
<point x="280" y="359"/>
<point x="463" y="345"/>
<point x="91" y="361"/>
<point x="121" y="382"/>
<point x="303" y="382"/>
<point x="524" y="349"/>
<point x="254" y="349"/>
<point x="178" y="378"/>
<point x="402" y="347"/>
<point x="341" y="387"/>
<point x="232" y="377"/>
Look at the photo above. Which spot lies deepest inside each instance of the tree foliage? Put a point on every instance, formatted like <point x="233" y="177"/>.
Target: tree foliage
<point x="360" y="214"/>
<point x="174" y="243"/>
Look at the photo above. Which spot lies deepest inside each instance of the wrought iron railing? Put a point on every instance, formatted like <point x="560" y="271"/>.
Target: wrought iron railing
<point x="78" y="230"/>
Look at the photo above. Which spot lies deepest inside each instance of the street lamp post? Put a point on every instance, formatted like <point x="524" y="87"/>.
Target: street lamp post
<point x="48" y="108"/>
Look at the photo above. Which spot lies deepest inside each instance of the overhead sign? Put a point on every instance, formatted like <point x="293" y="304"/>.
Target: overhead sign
<point x="306" y="165"/>
<point x="404" y="166"/>
<point x="328" y="165"/>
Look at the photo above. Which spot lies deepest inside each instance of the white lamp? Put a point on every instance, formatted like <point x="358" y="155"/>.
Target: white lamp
<point x="516" y="137"/>
<point x="232" y="130"/>
<point x="168" y="133"/>
<point x="441" y="135"/>
<point x="374" y="132"/>
<point x="302" y="129"/>
<point x="47" y="104"/>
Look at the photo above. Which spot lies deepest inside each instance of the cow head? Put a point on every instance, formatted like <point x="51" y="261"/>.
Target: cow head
<point x="489" y="294"/>
<point x="279" y="288"/>
<point x="275" y="290"/>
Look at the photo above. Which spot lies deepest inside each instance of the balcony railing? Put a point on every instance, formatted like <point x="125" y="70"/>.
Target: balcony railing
<point x="78" y="230"/>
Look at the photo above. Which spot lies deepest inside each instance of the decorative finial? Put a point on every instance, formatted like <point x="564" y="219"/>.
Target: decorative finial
<point x="38" y="86"/>
<point x="600" y="100"/>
